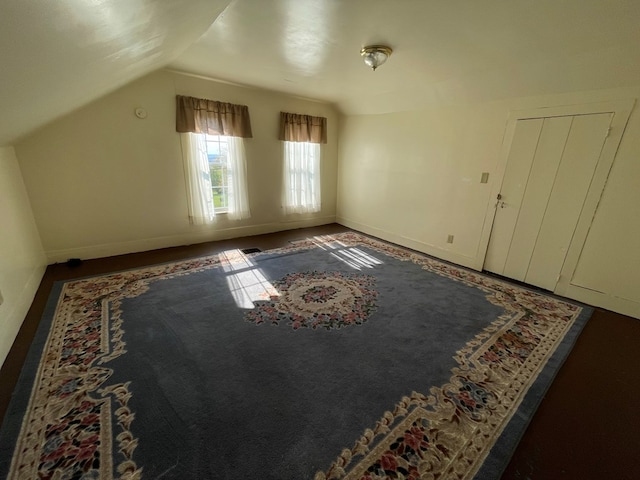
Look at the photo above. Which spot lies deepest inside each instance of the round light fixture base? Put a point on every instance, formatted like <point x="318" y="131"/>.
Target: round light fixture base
<point x="375" y="55"/>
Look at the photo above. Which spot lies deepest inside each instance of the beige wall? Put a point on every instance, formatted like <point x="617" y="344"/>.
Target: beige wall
<point x="22" y="260"/>
<point x="103" y="182"/>
<point x="414" y="178"/>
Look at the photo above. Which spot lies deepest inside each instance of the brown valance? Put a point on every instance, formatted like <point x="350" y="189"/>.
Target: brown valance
<point x="302" y="128"/>
<point x="199" y="115"/>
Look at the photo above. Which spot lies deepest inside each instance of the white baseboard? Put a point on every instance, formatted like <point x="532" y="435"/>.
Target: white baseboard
<point x="142" y="245"/>
<point x="458" y="259"/>
<point x="603" y="300"/>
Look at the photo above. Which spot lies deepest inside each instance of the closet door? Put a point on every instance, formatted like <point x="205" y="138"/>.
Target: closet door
<point x="549" y="171"/>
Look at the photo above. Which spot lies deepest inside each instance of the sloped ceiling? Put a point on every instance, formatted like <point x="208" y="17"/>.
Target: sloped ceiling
<point x="57" y="56"/>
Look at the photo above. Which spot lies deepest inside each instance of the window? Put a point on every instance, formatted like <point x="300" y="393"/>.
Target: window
<point x="219" y="171"/>
<point x="302" y="136"/>
<point x="301" y="177"/>
<point x="215" y="169"/>
<point x="211" y="135"/>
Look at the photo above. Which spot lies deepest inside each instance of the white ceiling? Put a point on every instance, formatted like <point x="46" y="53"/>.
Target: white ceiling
<point x="56" y="56"/>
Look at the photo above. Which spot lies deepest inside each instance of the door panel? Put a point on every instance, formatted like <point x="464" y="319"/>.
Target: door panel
<point x="523" y="148"/>
<point x="584" y="145"/>
<point x="546" y="161"/>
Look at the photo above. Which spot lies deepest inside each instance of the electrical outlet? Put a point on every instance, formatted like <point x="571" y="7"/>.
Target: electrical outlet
<point x="450" y="239"/>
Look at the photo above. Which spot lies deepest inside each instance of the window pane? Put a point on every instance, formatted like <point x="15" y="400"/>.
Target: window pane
<point x="216" y="174"/>
<point x="302" y="177"/>
<point x="213" y="149"/>
<point x="224" y="148"/>
<point x="217" y="152"/>
<point x="219" y="197"/>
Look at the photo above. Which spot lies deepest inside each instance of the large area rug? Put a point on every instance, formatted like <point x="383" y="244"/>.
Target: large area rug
<point x="339" y="357"/>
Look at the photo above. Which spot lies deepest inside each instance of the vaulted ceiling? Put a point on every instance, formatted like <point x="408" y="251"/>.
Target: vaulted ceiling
<point x="58" y="56"/>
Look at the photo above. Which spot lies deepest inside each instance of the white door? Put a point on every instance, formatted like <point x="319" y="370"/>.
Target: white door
<point x="549" y="170"/>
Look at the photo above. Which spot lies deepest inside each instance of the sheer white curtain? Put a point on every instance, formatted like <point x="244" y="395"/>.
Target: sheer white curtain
<point x="301" y="177"/>
<point x="198" y="178"/>
<point x="237" y="167"/>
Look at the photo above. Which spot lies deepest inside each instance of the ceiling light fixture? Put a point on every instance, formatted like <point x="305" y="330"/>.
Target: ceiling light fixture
<point x="375" y="55"/>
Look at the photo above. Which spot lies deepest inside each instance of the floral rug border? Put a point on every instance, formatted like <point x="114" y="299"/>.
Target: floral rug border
<point x="446" y="434"/>
<point x="449" y="433"/>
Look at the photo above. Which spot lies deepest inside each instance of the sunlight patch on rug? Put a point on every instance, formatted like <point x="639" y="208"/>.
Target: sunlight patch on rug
<point x="352" y="256"/>
<point x="246" y="282"/>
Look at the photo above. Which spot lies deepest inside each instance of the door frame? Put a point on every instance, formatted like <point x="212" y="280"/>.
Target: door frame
<point x="621" y="110"/>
